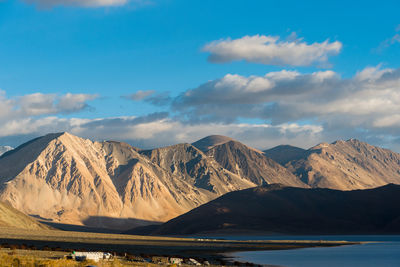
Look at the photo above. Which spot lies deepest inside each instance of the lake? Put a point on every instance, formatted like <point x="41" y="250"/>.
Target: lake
<point x="383" y="251"/>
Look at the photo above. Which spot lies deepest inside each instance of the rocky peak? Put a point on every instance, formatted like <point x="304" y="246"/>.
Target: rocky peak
<point x="208" y="142"/>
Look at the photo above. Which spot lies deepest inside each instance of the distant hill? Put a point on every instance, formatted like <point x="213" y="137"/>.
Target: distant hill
<point x="10" y="217"/>
<point x="290" y="210"/>
<point x="285" y="153"/>
<point x="347" y="165"/>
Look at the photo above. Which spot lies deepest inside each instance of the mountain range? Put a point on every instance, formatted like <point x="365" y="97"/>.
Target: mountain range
<point x="67" y="179"/>
<point x="347" y="165"/>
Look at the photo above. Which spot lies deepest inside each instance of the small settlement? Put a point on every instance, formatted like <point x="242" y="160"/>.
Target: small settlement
<point x="98" y="256"/>
<point x="94" y="256"/>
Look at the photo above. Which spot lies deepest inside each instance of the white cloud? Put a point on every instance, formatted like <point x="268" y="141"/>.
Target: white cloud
<point x="366" y="105"/>
<point x="69" y="103"/>
<point x="28" y="116"/>
<point x="372" y="73"/>
<point x="271" y="50"/>
<point x="156" y="132"/>
<point x="39" y="104"/>
<point x="279" y="107"/>
<point x="140" y="95"/>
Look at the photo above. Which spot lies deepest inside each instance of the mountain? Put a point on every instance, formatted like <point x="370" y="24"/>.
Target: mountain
<point x="347" y="165"/>
<point x="68" y="179"/>
<point x="210" y="141"/>
<point x="4" y="149"/>
<point x="10" y="217"/>
<point x="285" y="153"/>
<point x="279" y="209"/>
<point x="197" y="169"/>
<point x="64" y="178"/>
<point x="247" y="162"/>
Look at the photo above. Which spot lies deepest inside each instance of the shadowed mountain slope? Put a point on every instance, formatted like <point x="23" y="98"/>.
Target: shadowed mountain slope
<point x="209" y="142"/>
<point x="285" y="153"/>
<point x="347" y="165"/>
<point x="279" y="209"/>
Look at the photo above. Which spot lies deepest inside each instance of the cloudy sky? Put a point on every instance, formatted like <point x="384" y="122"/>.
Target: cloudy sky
<point x="159" y="72"/>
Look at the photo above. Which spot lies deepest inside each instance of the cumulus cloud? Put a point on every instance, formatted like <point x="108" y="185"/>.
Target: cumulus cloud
<point x="29" y="116"/>
<point x="262" y="111"/>
<point x="84" y="3"/>
<point x="367" y="103"/>
<point x="39" y="104"/>
<point x="155" y="130"/>
<point x="271" y="50"/>
<point x="150" y="96"/>
<point x="140" y="95"/>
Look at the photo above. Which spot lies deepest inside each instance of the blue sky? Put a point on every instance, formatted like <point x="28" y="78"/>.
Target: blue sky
<point x="108" y="50"/>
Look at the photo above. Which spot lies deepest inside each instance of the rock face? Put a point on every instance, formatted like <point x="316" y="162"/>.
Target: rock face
<point x="197" y="169"/>
<point x="347" y="165"/>
<point x="285" y="153"/>
<point x="4" y="149"/>
<point x="246" y="162"/>
<point x="290" y="210"/>
<point x="69" y="179"/>
<point x="10" y="217"/>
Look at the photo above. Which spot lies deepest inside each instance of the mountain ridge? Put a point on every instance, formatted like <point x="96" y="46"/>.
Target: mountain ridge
<point x="345" y="165"/>
<point x="285" y="153"/>
<point x="292" y="210"/>
<point x="68" y="179"/>
<point x="251" y="164"/>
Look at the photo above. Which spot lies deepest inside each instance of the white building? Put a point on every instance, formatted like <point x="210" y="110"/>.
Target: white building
<point x="95" y="256"/>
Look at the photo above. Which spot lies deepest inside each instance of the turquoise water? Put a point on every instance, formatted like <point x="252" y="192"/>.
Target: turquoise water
<point x="385" y="252"/>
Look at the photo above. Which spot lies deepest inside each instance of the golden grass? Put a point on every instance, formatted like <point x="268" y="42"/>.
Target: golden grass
<point x="17" y="258"/>
<point x="10" y="259"/>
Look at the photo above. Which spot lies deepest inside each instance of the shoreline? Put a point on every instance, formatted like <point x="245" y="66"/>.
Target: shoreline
<point x="213" y="250"/>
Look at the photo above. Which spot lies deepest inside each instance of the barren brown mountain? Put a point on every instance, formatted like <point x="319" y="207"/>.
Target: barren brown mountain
<point x="69" y="179"/>
<point x="64" y="178"/>
<point x="246" y="162"/>
<point x="347" y="165"/>
<point x="197" y="169"/>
